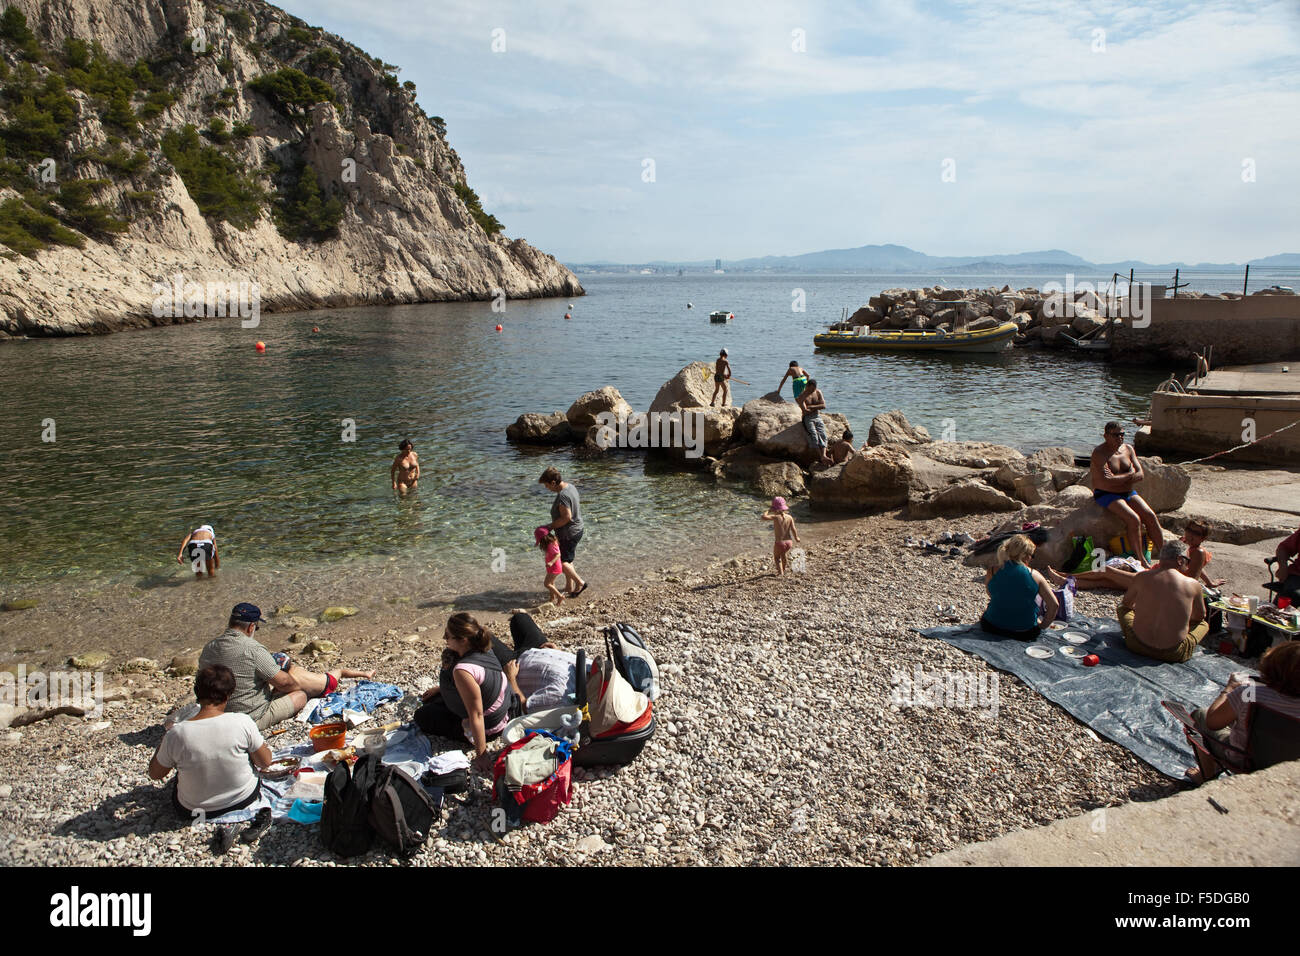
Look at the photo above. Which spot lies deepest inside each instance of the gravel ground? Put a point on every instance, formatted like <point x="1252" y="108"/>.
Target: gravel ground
<point x="777" y="743"/>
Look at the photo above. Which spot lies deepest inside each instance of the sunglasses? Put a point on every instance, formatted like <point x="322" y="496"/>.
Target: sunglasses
<point x="1118" y="434"/>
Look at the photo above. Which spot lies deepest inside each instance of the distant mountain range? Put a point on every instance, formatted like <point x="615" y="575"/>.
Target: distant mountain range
<point x="900" y="259"/>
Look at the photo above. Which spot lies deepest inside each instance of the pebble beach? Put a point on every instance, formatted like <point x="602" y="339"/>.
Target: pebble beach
<point x="779" y="741"/>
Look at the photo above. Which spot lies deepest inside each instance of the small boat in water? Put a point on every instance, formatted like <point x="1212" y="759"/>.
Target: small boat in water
<point x="722" y="316"/>
<point x="919" y="340"/>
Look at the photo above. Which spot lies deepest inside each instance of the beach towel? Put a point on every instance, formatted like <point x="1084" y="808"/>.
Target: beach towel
<point x="366" y="696"/>
<point x="1120" y="697"/>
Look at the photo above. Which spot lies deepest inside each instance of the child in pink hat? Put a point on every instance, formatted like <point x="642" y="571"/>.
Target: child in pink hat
<point x="547" y="541"/>
<point x="784" y="530"/>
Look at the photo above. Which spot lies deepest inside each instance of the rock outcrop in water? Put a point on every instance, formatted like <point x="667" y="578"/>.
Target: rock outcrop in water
<point x="229" y="144"/>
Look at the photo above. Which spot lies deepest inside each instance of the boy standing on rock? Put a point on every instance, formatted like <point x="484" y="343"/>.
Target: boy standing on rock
<point x="811" y="403"/>
<point x="721" y="372"/>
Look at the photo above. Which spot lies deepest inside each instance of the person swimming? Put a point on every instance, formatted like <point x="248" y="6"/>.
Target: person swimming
<point x="405" y="473"/>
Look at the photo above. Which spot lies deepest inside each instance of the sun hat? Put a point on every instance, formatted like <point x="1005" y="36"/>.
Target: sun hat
<point x="778" y="504"/>
<point x="540" y="533"/>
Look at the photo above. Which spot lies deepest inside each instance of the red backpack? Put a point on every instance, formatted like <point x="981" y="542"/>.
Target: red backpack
<point x="536" y="802"/>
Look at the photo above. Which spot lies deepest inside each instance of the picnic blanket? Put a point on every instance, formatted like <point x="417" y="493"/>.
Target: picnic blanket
<point x="1120" y="697"/>
<point x="366" y="696"/>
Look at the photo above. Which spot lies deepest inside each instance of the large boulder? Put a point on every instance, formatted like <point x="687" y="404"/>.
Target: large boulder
<point x="711" y="430"/>
<point x="582" y="413"/>
<point x="776" y="428"/>
<point x="1034" y="487"/>
<point x="692" y="387"/>
<point x="894" y="427"/>
<point x="876" y="478"/>
<point x="741" y="463"/>
<point x="783" y="478"/>
<point x="535" y="429"/>
<point x="1163" y="487"/>
<point x="970" y="454"/>
<point x="1087" y="521"/>
<point x="1085" y="321"/>
<point x="968" y="496"/>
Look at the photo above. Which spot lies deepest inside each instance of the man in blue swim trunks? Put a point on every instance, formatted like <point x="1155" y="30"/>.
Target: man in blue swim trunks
<point x="1115" y="470"/>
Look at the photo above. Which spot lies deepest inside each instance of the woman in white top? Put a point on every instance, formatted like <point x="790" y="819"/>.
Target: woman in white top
<point x="210" y="752"/>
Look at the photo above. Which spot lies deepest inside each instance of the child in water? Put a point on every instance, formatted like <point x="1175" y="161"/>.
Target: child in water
<point x="784" y="529"/>
<point x="547" y="541"/>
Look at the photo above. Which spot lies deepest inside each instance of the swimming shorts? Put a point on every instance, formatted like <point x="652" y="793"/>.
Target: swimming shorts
<point x="719" y="379"/>
<point x="200" y="551"/>
<point x="1107" y="498"/>
<point x="784" y="546"/>
<point x="800" y="382"/>
<point x="569" y="546"/>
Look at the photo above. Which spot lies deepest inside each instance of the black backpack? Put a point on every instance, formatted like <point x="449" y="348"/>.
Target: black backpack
<point x="345" y="819"/>
<point x="401" y="813"/>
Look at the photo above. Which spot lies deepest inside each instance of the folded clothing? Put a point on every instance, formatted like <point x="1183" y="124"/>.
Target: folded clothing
<point x="366" y="696"/>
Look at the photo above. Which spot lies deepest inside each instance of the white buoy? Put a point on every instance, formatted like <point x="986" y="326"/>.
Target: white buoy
<point x="570" y="306"/>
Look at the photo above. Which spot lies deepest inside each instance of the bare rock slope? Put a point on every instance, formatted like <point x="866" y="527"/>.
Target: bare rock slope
<point x="410" y="229"/>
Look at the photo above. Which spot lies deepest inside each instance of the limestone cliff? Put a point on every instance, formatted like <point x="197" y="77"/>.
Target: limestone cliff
<point x="384" y="211"/>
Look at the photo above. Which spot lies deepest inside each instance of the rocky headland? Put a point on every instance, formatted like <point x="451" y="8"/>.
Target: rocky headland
<point x="227" y="143"/>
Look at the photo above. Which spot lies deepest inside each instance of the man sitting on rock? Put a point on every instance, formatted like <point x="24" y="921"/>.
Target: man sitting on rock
<point x="267" y="690"/>
<point x="1115" y="470"/>
<point x="842" y="450"/>
<point x="1162" y="614"/>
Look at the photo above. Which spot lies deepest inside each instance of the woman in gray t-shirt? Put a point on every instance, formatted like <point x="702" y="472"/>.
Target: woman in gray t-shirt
<point x="566" y="522"/>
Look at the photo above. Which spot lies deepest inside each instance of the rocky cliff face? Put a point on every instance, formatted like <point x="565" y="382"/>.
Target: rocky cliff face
<point x="405" y="228"/>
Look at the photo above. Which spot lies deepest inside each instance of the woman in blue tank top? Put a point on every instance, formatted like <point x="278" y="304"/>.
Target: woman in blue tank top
<point x="1013" y="589"/>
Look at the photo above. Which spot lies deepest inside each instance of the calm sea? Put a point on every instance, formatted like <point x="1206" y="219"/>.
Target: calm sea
<point x="159" y="430"/>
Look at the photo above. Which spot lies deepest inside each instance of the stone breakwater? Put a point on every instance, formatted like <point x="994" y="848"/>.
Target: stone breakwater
<point x="763" y="446"/>
<point x="783" y="738"/>
<point x="1041" y="316"/>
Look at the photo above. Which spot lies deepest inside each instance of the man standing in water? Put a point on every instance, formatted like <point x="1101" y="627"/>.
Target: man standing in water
<point x="566" y="522"/>
<point x="201" y="543"/>
<point x="406" y="468"/>
<point x="1115" y="470"/>
<point x="811" y="402"/>
<point x="721" y="373"/>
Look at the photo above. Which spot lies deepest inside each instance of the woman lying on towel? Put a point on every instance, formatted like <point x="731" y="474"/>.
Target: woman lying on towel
<point x="210" y="752"/>
<point x="1013" y="588"/>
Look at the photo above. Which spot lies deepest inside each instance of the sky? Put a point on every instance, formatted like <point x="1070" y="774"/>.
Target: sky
<point x="684" y="130"/>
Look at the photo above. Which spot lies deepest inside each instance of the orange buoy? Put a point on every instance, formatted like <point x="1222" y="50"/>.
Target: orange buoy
<point x="260" y="346"/>
<point x="567" y="315"/>
<point x="498" y="328"/>
<point x="315" y="328"/>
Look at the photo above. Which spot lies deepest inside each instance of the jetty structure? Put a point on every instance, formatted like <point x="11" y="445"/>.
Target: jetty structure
<point x="1246" y="413"/>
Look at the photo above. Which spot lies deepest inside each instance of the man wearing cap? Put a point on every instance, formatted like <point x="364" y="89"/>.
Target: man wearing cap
<point x="267" y="690"/>
<point x="721" y="372"/>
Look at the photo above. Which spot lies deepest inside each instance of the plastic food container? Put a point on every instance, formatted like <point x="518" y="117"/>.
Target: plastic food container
<point x="328" y="736"/>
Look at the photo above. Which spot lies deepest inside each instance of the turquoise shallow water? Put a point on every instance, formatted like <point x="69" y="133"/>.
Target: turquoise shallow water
<point x="160" y="430"/>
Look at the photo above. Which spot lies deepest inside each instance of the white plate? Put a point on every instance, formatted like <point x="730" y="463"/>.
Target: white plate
<point x="1075" y="637"/>
<point x="1056" y="626"/>
<point x="1038" y="651"/>
<point x="1069" y="651"/>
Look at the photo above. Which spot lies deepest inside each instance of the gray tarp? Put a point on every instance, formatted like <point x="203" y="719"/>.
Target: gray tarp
<point x="1120" y="697"/>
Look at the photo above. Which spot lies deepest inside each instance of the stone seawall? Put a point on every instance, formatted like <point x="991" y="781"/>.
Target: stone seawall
<point x="1258" y="328"/>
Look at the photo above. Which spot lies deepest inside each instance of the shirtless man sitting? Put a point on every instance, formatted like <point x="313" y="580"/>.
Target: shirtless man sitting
<point x="1115" y="470"/>
<point x="406" y="468"/>
<point x="1162" y="614"/>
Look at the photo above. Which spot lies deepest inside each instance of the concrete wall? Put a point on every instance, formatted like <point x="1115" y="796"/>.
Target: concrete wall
<point x="1260" y="328"/>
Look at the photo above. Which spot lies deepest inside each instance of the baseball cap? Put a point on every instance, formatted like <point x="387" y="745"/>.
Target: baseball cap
<point x="248" y="614"/>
